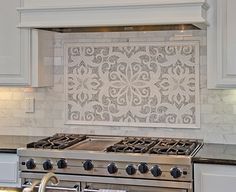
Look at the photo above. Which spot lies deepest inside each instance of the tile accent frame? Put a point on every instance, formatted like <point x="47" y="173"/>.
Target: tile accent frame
<point x="67" y="46"/>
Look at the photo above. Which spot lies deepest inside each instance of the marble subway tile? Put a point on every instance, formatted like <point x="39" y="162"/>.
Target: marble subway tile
<point x="218" y="107"/>
<point x="58" y="61"/>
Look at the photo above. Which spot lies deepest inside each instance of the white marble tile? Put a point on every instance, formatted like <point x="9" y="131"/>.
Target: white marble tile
<point x="58" y="61"/>
<point x="218" y="107"/>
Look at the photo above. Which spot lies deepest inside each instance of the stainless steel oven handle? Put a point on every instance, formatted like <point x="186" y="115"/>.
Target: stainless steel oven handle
<point x="98" y="190"/>
<point x="90" y="190"/>
<point x="75" y="189"/>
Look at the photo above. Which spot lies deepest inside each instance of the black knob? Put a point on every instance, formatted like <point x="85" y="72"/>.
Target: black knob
<point x="130" y="170"/>
<point x="61" y="164"/>
<point x="30" y="164"/>
<point x="47" y="165"/>
<point x="156" y="171"/>
<point x="175" y="172"/>
<point x="88" y="165"/>
<point x="143" y="168"/>
<point x="112" y="168"/>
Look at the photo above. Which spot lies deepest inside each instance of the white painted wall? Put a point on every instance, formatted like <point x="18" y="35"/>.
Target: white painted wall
<point x="218" y="107"/>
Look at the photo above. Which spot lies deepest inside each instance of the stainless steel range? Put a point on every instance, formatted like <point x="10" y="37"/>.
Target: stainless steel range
<point x="91" y="163"/>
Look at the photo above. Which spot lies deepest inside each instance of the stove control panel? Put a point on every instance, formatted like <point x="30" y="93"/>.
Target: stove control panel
<point x="88" y="165"/>
<point x="175" y="172"/>
<point x="130" y="169"/>
<point x="61" y="164"/>
<point x="30" y="164"/>
<point x="47" y="165"/>
<point x="143" y="168"/>
<point x="108" y="168"/>
<point x="156" y="171"/>
<point x="112" y="168"/>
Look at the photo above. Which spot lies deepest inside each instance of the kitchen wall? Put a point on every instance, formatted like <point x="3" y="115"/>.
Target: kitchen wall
<point x="218" y="107"/>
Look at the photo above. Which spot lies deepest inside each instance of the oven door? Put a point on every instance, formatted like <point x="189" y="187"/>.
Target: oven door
<point x="109" y="184"/>
<point x="95" y="187"/>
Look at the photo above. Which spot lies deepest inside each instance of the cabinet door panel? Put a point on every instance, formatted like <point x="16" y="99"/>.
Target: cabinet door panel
<point x="218" y="183"/>
<point x="9" y="39"/>
<point x="231" y="37"/>
<point x="9" y="170"/>
<point x="14" y="61"/>
<point x="214" y="178"/>
<point x="221" y="44"/>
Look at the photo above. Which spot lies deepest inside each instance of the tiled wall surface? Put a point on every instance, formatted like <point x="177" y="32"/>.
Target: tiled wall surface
<point x="153" y="84"/>
<point x="218" y="107"/>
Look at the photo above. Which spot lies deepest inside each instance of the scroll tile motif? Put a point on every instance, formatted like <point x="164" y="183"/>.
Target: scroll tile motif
<point x="133" y="84"/>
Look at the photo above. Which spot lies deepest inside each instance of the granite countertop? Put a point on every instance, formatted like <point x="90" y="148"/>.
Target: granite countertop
<point x="9" y="144"/>
<point x="216" y="154"/>
<point x="209" y="153"/>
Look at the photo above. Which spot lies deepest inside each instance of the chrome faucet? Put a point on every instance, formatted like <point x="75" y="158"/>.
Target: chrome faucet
<point x="48" y="177"/>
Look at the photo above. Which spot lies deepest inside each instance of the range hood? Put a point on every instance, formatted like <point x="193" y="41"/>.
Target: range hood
<point x="99" y="13"/>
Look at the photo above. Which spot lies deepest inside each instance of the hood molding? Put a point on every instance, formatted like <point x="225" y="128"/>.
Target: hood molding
<point x="92" y="13"/>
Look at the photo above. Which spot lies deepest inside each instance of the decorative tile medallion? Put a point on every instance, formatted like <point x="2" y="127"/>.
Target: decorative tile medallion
<point x="133" y="84"/>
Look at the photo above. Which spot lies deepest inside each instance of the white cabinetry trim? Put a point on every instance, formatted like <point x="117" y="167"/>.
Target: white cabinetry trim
<point x="71" y="13"/>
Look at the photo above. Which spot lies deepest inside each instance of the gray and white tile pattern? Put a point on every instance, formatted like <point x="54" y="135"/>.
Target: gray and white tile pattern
<point x="133" y="84"/>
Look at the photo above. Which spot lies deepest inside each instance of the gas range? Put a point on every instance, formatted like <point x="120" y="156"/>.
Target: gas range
<point x="138" y="158"/>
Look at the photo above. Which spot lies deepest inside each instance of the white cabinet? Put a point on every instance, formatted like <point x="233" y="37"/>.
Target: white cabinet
<point x="18" y="64"/>
<point x="14" y="46"/>
<point x="9" y="176"/>
<point x="214" y="178"/>
<point x="221" y="43"/>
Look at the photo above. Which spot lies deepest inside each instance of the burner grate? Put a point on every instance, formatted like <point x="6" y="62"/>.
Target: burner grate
<point x="174" y="147"/>
<point x="132" y="145"/>
<point x="57" y="141"/>
<point x="162" y="146"/>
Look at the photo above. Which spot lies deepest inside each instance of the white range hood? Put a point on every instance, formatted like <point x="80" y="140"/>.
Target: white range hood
<point x="95" y="13"/>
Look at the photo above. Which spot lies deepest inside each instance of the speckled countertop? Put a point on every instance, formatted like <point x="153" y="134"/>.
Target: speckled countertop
<point x="216" y="154"/>
<point x="9" y="144"/>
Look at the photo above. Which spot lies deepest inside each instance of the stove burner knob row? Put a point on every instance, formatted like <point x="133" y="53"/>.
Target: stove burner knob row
<point x="62" y="164"/>
<point x="143" y="168"/>
<point x="130" y="170"/>
<point x="88" y="165"/>
<point x="175" y="172"/>
<point x="156" y="171"/>
<point x="30" y="164"/>
<point x="47" y="165"/>
<point x="112" y="168"/>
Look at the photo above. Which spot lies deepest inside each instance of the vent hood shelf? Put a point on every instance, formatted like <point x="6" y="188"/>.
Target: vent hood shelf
<point x="95" y="13"/>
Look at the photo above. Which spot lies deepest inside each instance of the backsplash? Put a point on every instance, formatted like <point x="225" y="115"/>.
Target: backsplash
<point x="218" y="107"/>
<point x="153" y="84"/>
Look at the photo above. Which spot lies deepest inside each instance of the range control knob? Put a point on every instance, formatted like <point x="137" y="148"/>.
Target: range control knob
<point x="61" y="164"/>
<point x="130" y="170"/>
<point x="143" y="168"/>
<point x="112" y="168"/>
<point x="30" y="164"/>
<point x="175" y="172"/>
<point x="47" y="165"/>
<point x="88" y="165"/>
<point x="156" y="171"/>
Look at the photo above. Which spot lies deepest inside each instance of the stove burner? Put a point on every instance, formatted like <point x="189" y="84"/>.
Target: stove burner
<point x="132" y="145"/>
<point x="174" y="147"/>
<point x="154" y="146"/>
<point x="57" y="141"/>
